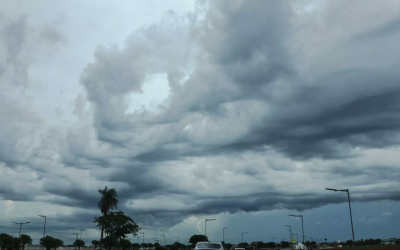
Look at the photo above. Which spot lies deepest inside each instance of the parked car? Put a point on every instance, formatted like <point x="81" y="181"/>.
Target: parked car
<point x="204" y="245"/>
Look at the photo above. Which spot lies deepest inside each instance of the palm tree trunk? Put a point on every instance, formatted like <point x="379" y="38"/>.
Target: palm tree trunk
<point x="101" y="238"/>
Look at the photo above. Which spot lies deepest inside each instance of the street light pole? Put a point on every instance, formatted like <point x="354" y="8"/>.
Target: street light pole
<point x="290" y="230"/>
<point x="205" y="227"/>
<point x="80" y="238"/>
<point x="348" y="197"/>
<point x="242" y="235"/>
<point x="164" y="238"/>
<point x="76" y="237"/>
<point x="273" y="239"/>
<point x="44" y="228"/>
<point x="143" y="237"/>
<point x="20" y="226"/>
<point x="302" y="225"/>
<point x="223" y="234"/>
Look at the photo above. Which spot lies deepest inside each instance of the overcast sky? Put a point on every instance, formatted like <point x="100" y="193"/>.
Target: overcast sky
<point x="242" y="111"/>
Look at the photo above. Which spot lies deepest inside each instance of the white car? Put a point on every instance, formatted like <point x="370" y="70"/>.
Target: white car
<point x="205" y="245"/>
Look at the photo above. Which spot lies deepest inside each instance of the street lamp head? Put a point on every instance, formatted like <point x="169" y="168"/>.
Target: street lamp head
<point x="331" y="189"/>
<point x="27" y="222"/>
<point x="225" y="227"/>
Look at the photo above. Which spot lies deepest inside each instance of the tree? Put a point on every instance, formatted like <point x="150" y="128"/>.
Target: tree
<point x="243" y="244"/>
<point x="125" y="244"/>
<point x="270" y="245"/>
<point x="106" y="204"/>
<point x="5" y="241"/>
<point x="16" y="243"/>
<point x="285" y="244"/>
<point x="95" y="243"/>
<point x="79" y="243"/>
<point x="227" y="245"/>
<point x="109" y="242"/>
<point x="197" y="237"/>
<point x="49" y="242"/>
<point x="25" y="239"/>
<point x="136" y="245"/>
<point x="156" y="244"/>
<point x="117" y="224"/>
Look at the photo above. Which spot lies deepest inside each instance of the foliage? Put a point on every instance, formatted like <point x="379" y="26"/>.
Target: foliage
<point x="49" y="242"/>
<point x="9" y="242"/>
<point x="243" y="244"/>
<point x="124" y="244"/>
<point x="117" y="224"/>
<point x="109" y="242"/>
<point x="25" y="239"/>
<point x="227" y="246"/>
<point x="285" y="244"/>
<point x="197" y="237"/>
<point x="79" y="243"/>
<point x="157" y="244"/>
<point x="95" y="243"/>
<point x="135" y="245"/>
<point x="5" y="241"/>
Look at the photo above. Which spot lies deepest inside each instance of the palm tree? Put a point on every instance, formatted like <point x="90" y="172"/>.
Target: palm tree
<point x="107" y="203"/>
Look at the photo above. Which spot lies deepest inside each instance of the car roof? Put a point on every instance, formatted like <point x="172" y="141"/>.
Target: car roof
<point x="209" y="242"/>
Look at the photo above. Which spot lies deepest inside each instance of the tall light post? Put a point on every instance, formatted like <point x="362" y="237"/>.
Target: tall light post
<point x="44" y="228"/>
<point x="243" y="234"/>
<point x="290" y="230"/>
<point x="143" y="237"/>
<point x="164" y="238"/>
<point x="302" y="225"/>
<point x="20" y="226"/>
<point x="348" y="196"/>
<point x="273" y="239"/>
<point x="80" y="238"/>
<point x="205" y="227"/>
<point x="223" y="234"/>
<point x="76" y="236"/>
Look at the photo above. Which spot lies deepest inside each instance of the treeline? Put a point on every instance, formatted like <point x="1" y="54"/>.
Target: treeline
<point x="8" y="242"/>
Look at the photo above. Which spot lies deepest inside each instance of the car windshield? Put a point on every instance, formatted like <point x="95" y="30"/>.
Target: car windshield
<point x="209" y="245"/>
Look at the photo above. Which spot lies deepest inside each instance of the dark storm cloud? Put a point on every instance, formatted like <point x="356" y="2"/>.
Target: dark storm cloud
<point x="260" y="98"/>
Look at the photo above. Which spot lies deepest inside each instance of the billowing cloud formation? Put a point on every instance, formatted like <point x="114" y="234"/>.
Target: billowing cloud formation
<point x="265" y="104"/>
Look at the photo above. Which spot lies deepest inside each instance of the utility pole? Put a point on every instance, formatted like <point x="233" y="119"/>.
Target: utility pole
<point x="143" y="237"/>
<point x="20" y="226"/>
<point x="348" y="196"/>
